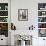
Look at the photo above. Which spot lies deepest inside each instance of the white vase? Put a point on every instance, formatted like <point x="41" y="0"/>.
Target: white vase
<point x="22" y="43"/>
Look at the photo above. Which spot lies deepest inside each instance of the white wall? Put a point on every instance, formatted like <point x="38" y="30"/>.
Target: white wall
<point x="32" y="6"/>
<point x="32" y="13"/>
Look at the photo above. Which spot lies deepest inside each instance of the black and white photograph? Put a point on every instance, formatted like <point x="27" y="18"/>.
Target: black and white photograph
<point x="23" y="14"/>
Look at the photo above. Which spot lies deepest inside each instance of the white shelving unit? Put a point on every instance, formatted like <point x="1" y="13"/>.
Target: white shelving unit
<point x="4" y="22"/>
<point x="4" y="19"/>
<point x="42" y="19"/>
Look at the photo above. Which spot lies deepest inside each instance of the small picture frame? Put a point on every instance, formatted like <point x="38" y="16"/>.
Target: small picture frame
<point x="23" y="14"/>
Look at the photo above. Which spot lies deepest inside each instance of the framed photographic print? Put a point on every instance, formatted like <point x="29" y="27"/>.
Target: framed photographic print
<point x="23" y="14"/>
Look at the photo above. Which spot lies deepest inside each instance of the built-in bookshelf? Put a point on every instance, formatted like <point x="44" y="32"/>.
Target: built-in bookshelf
<point x="4" y="19"/>
<point x="42" y="19"/>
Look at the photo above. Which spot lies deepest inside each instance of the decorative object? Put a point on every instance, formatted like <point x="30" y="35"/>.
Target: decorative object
<point x="41" y="25"/>
<point x="31" y="27"/>
<point x="22" y="43"/>
<point x="0" y="7"/>
<point x="41" y="6"/>
<point x="13" y="27"/>
<point x="23" y="14"/>
<point x="42" y="19"/>
<point x="6" y="7"/>
<point x="4" y="26"/>
<point x="3" y="13"/>
<point x="42" y="32"/>
<point x="23" y="40"/>
<point x="3" y="19"/>
<point x="43" y="13"/>
<point x="4" y="29"/>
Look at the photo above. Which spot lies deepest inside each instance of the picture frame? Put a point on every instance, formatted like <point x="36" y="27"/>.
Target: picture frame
<point x="22" y="14"/>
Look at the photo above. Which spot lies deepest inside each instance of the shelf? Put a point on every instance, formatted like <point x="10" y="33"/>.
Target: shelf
<point x="41" y="28"/>
<point x="41" y="10"/>
<point x="3" y="22"/>
<point x="3" y="16"/>
<point x="42" y="16"/>
<point x="41" y="22"/>
<point x="4" y="19"/>
<point x="3" y="10"/>
<point x="42" y="19"/>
